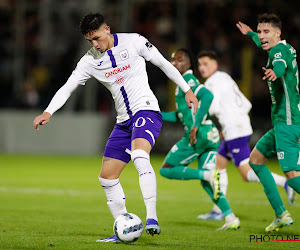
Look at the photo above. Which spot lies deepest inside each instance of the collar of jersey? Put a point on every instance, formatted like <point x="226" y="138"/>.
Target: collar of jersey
<point x="282" y="41"/>
<point x="189" y="71"/>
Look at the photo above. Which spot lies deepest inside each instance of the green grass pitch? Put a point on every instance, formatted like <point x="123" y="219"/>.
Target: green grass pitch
<point x="56" y="202"/>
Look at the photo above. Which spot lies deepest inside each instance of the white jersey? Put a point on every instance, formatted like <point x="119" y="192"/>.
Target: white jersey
<point x="229" y="105"/>
<point x="122" y="70"/>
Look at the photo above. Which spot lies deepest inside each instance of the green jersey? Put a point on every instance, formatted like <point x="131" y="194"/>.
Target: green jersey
<point x="285" y="89"/>
<point x="185" y="115"/>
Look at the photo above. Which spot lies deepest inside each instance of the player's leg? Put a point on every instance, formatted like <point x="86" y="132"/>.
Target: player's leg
<point x="176" y="161"/>
<point x="114" y="160"/>
<point x="109" y="179"/>
<point x="288" y="153"/>
<point x="146" y="128"/>
<point x="240" y="151"/>
<point x="294" y="180"/>
<point x="221" y="163"/>
<point x="231" y="221"/>
<point x="249" y="175"/>
<point x="207" y="160"/>
<point x="264" y="149"/>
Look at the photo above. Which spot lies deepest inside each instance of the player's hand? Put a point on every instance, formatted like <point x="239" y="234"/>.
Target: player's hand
<point x="269" y="73"/>
<point x="41" y="120"/>
<point x="191" y="100"/>
<point x="244" y="28"/>
<point x="193" y="135"/>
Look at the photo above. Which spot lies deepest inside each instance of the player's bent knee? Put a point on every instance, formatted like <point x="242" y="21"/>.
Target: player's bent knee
<point x="257" y="158"/>
<point x="139" y="153"/>
<point x="141" y="161"/>
<point x="166" y="165"/>
<point x="245" y="179"/>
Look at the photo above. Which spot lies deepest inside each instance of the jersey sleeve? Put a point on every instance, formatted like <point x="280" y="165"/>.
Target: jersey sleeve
<point x="254" y="37"/>
<point x="78" y="77"/>
<point x="278" y="59"/>
<point x="151" y="54"/>
<point x="205" y="98"/>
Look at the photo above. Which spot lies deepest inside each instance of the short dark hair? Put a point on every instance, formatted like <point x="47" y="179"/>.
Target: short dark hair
<point x="91" y="22"/>
<point x="189" y="55"/>
<point x="209" y="53"/>
<point x="270" y="18"/>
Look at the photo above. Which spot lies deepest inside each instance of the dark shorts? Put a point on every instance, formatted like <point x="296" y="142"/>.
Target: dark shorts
<point x="237" y="150"/>
<point x="144" y="124"/>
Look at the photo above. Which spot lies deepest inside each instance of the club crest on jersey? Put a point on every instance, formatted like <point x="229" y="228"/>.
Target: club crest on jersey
<point x="124" y="54"/>
<point x="149" y="45"/>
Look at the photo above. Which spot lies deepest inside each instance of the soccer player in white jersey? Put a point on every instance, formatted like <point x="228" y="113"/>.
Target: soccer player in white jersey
<point x="118" y="62"/>
<point x="231" y="108"/>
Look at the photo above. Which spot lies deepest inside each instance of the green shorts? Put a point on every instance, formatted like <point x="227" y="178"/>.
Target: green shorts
<point x="282" y="140"/>
<point x="183" y="153"/>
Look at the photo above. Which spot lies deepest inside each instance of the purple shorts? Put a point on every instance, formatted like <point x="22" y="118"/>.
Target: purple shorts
<point x="237" y="150"/>
<point x="144" y="124"/>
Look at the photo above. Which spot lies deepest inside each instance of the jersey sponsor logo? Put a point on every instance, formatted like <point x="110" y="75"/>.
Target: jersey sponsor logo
<point x="280" y="155"/>
<point x="149" y="45"/>
<point x="117" y="71"/>
<point x="100" y="63"/>
<point x="277" y="55"/>
<point x="120" y="80"/>
<point x="124" y="54"/>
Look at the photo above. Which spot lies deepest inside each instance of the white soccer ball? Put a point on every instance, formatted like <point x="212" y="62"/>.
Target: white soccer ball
<point x="128" y="227"/>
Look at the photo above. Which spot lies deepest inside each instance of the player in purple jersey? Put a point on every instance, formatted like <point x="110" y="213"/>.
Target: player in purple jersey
<point x="118" y="62"/>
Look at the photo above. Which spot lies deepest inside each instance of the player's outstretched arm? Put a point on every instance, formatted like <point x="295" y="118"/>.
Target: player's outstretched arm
<point x="244" y="28"/>
<point x="191" y="100"/>
<point x="41" y="120"/>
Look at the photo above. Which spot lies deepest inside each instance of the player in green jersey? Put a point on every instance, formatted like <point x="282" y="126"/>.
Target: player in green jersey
<point x="281" y="74"/>
<point x="201" y="140"/>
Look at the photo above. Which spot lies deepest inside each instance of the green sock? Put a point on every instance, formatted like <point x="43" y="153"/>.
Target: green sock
<point x="294" y="183"/>
<point x="182" y="173"/>
<point x="270" y="188"/>
<point x="221" y="202"/>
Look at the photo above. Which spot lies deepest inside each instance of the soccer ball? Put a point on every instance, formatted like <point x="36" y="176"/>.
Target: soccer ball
<point x="128" y="227"/>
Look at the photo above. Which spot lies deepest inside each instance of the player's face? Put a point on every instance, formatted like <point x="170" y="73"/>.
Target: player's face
<point x="101" y="38"/>
<point x="268" y="35"/>
<point x="207" y="66"/>
<point x="180" y="61"/>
